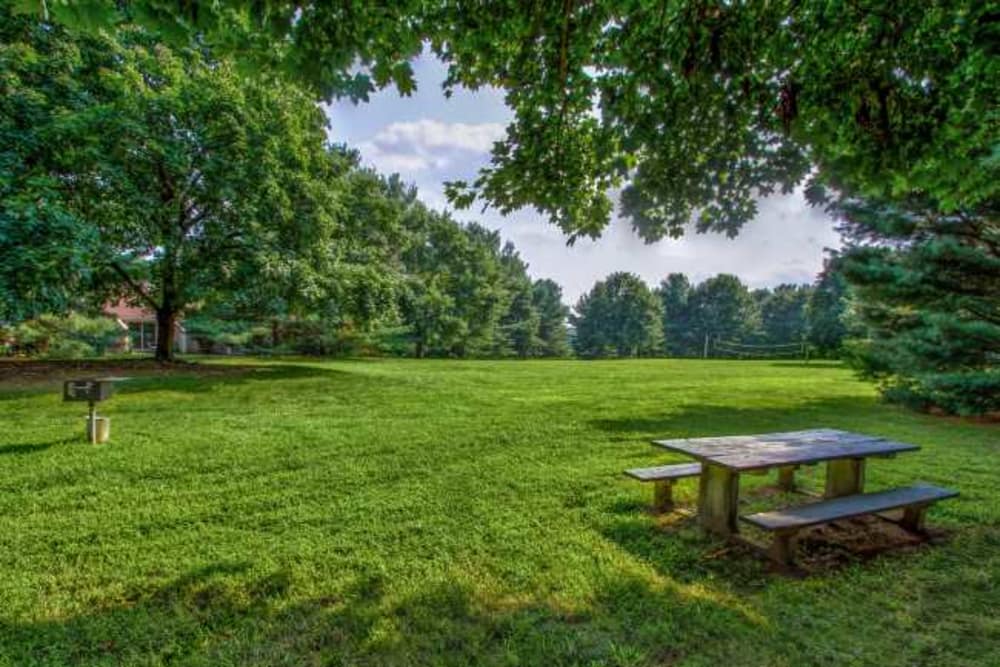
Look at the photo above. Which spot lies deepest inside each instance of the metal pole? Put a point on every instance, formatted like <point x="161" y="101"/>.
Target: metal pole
<point x="92" y="424"/>
<point x="705" y="353"/>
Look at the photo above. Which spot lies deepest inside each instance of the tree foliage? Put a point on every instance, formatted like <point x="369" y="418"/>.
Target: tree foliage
<point x="679" y="336"/>
<point x="828" y="313"/>
<point x="70" y="336"/>
<point x="929" y="293"/>
<point x="721" y="308"/>
<point x="546" y="297"/>
<point x="45" y="251"/>
<point x="783" y="314"/>
<point x="173" y="175"/>
<point x="166" y="177"/>
<point x="620" y="317"/>
<point x="456" y="293"/>
<point x="694" y="108"/>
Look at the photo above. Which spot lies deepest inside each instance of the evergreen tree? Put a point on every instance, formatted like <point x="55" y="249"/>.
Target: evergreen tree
<point x="928" y="288"/>
<point x="679" y="336"/>
<point x="552" y="317"/>
<point x="519" y="324"/>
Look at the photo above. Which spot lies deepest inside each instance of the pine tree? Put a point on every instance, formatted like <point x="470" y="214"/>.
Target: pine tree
<point x="929" y="291"/>
<point x="552" y="314"/>
<point x="679" y="339"/>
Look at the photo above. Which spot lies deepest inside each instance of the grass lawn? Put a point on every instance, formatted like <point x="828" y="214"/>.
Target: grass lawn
<point x="461" y="513"/>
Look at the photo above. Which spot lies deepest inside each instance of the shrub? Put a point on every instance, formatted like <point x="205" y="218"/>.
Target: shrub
<point x="72" y="336"/>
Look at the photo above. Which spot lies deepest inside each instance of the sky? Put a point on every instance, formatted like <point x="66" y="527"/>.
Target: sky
<point x="429" y="139"/>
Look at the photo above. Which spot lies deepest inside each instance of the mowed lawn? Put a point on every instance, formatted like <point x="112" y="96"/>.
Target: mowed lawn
<point x="461" y="513"/>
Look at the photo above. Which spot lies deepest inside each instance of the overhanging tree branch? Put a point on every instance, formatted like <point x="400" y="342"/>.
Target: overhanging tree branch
<point x="134" y="285"/>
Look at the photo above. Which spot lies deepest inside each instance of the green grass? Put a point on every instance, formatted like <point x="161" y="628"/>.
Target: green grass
<point x="460" y="513"/>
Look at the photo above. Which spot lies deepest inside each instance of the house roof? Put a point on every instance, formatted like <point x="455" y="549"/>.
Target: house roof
<point x="127" y="312"/>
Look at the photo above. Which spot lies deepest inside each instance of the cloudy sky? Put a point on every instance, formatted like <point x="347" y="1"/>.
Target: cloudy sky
<point x="429" y="139"/>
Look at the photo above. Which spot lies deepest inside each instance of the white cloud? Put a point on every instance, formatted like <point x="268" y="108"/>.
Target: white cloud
<point x="389" y="162"/>
<point x="428" y="133"/>
<point x="785" y="243"/>
<point x="424" y="144"/>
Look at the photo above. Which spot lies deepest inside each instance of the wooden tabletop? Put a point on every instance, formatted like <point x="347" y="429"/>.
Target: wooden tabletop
<point x="769" y="450"/>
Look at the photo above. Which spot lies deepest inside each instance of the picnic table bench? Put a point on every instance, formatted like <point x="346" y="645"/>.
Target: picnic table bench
<point x="721" y="460"/>
<point x="786" y="523"/>
<point x="663" y="478"/>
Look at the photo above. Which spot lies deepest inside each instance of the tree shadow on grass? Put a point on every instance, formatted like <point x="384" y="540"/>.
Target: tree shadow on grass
<point x="31" y="448"/>
<point x="223" y="614"/>
<point x="192" y="378"/>
<point x="676" y="546"/>
<point x="200" y="382"/>
<point x="693" y="421"/>
<point x="814" y="364"/>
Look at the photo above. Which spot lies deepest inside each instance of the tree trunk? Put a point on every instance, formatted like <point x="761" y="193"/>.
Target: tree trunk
<point x="166" y="324"/>
<point x="275" y="333"/>
<point x="166" y="314"/>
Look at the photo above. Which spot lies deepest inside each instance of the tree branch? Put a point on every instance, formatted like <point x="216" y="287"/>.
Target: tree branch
<point x="135" y="286"/>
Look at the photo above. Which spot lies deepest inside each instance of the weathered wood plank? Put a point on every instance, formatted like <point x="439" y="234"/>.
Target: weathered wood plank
<point x="677" y="471"/>
<point x="844" y="477"/>
<point x="764" y="457"/>
<point x="663" y="495"/>
<point x="718" y="500"/>
<point x="723" y="441"/>
<point x="786" y="478"/>
<point x="913" y="518"/>
<point x="846" y="507"/>
<point x="740" y="440"/>
<point x="766" y="450"/>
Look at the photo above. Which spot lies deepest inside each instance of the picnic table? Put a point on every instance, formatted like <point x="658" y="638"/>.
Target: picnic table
<point x="724" y="458"/>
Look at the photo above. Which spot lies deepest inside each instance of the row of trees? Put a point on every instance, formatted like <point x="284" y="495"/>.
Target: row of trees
<point x="420" y="284"/>
<point x="622" y="316"/>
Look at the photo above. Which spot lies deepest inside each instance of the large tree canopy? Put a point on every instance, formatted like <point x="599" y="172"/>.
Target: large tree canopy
<point x="695" y="108"/>
<point x="165" y="175"/>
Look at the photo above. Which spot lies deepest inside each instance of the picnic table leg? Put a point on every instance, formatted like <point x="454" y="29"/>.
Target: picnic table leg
<point x="786" y="478"/>
<point x="782" y="550"/>
<point x="913" y="518"/>
<point x="663" y="495"/>
<point x="845" y="477"/>
<point x="718" y="498"/>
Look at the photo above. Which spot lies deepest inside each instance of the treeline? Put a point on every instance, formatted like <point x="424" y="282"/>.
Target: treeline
<point x="422" y="285"/>
<point x="622" y="316"/>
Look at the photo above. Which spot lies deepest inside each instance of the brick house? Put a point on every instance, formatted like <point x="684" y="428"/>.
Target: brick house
<point x="140" y="330"/>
